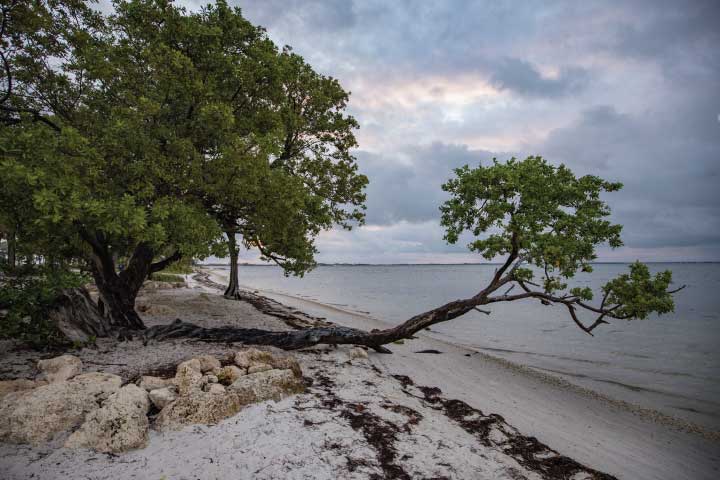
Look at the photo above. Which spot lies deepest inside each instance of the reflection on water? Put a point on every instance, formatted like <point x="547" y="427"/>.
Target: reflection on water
<point x="654" y="362"/>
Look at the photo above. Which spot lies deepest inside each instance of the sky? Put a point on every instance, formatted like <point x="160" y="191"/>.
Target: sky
<point x="627" y="90"/>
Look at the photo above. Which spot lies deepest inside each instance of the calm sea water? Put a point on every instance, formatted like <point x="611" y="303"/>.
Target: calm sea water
<point x="670" y="362"/>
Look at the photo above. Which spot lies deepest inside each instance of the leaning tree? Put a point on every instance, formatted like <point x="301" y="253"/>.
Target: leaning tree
<point x="544" y="222"/>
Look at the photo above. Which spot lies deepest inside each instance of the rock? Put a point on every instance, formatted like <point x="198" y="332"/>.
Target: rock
<point x="216" y="389"/>
<point x="162" y="396"/>
<point x="188" y="377"/>
<point x="149" y="383"/>
<point x="358" y="353"/>
<point x="59" y="368"/>
<point x="36" y="416"/>
<point x="259" y="367"/>
<point x="227" y="375"/>
<point x="199" y="407"/>
<point x="287" y="362"/>
<point x="19" y="385"/>
<point x="252" y="356"/>
<point x="210" y="379"/>
<point x="246" y="358"/>
<point x="268" y="385"/>
<point x="121" y="424"/>
<point x="208" y="363"/>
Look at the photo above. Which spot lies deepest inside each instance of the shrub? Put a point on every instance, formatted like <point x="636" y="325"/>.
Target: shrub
<point x="26" y="296"/>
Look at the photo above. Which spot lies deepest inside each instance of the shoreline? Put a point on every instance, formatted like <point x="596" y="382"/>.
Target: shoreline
<point x="626" y="440"/>
<point x="454" y="415"/>
<point x="553" y="379"/>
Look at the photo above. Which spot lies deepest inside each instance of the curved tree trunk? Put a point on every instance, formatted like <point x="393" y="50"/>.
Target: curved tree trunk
<point x="77" y="316"/>
<point x="233" y="287"/>
<point x="333" y="335"/>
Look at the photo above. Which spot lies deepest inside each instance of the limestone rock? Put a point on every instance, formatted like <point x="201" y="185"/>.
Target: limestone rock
<point x="216" y="389"/>
<point x="227" y="375"/>
<point x="149" y="383"/>
<point x="19" y="385"/>
<point x="199" y="407"/>
<point x="358" y="353"/>
<point x="162" y="396"/>
<point x="287" y="362"/>
<point x="246" y="358"/>
<point x="259" y="367"/>
<point x="60" y="368"/>
<point x="188" y="377"/>
<point x="268" y="385"/>
<point x="252" y="356"/>
<point x="37" y="415"/>
<point x="121" y="424"/>
<point x="208" y="363"/>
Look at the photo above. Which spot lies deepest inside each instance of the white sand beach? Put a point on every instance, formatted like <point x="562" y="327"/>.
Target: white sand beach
<point x="372" y="418"/>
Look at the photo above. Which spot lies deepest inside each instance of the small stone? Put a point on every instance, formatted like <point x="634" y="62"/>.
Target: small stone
<point x="268" y="385"/>
<point x="216" y="389"/>
<point x="210" y="379"/>
<point x="287" y="362"/>
<point x="188" y="377"/>
<point x="60" y="368"/>
<point x="162" y="396"/>
<point x="208" y="363"/>
<point x="358" y="353"/>
<point x="227" y="375"/>
<point x="259" y="367"/>
<point x="246" y="358"/>
<point x="149" y="383"/>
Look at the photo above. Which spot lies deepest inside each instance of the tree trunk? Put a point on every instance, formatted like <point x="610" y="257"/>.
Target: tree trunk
<point x="233" y="285"/>
<point x="77" y="316"/>
<point x="333" y="335"/>
<point x="119" y="290"/>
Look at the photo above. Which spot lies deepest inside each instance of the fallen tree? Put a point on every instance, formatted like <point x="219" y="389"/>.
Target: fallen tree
<point x="546" y="222"/>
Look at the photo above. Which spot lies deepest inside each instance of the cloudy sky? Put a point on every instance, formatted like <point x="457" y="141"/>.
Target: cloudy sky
<point x="629" y="91"/>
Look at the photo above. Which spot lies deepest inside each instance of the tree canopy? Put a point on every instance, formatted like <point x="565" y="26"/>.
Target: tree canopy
<point x="148" y="132"/>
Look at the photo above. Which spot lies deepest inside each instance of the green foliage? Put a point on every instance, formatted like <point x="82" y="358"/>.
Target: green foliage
<point x="164" y="128"/>
<point x="167" y="277"/>
<point x="639" y="294"/>
<point x="27" y="296"/>
<point x="543" y="216"/>
<point x="182" y="267"/>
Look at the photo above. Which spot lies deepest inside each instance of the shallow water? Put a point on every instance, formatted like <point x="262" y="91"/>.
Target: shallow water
<point x="671" y="362"/>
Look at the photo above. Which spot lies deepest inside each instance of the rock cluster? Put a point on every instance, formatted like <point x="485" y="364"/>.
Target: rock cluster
<point x="205" y="392"/>
<point x="97" y="412"/>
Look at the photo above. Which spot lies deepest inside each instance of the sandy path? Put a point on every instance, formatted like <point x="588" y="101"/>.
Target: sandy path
<point x="589" y="428"/>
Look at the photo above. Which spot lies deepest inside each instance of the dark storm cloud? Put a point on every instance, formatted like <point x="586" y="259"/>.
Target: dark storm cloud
<point x="522" y="77"/>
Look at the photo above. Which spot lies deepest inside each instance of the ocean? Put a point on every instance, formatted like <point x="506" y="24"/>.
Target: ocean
<point x="670" y="363"/>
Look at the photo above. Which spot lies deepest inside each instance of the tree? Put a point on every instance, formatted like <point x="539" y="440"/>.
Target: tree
<point x="304" y="178"/>
<point x="112" y="165"/>
<point x="543" y="220"/>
